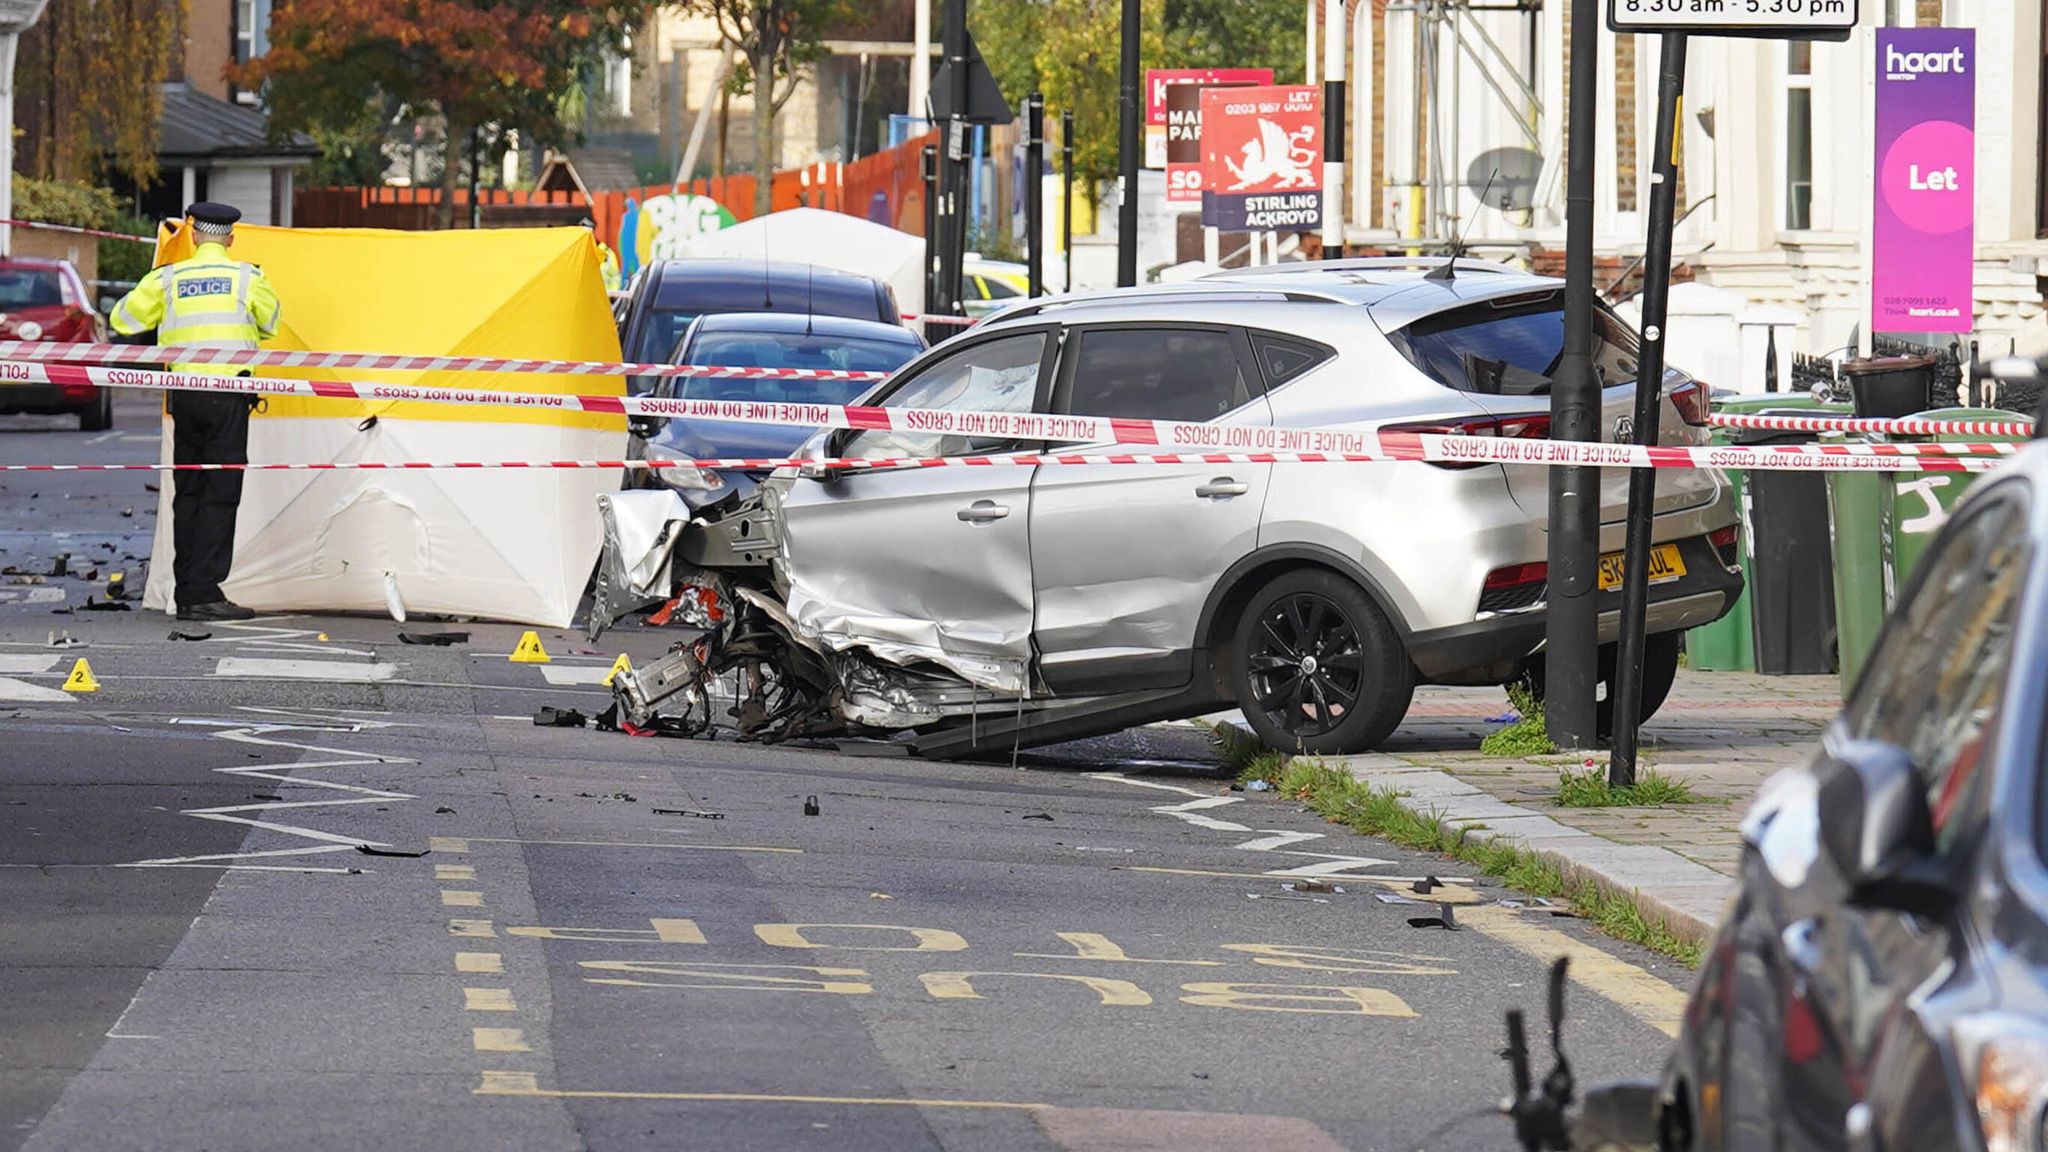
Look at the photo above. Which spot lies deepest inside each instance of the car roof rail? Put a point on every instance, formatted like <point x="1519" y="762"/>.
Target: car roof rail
<point x="1183" y="290"/>
<point x="1364" y="264"/>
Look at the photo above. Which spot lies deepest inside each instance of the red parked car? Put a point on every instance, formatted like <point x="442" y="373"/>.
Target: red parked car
<point x="46" y="300"/>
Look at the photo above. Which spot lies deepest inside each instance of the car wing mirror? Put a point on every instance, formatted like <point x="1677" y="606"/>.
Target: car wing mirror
<point x="1876" y="827"/>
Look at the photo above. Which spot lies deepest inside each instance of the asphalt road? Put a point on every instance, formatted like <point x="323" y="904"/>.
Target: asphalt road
<point x="1095" y="949"/>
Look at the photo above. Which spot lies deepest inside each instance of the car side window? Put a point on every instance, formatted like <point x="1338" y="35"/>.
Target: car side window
<point x="1938" y="676"/>
<point x="1156" y="373"/>
<point x="1282" y="359"/>
<point x="998" y="375"/>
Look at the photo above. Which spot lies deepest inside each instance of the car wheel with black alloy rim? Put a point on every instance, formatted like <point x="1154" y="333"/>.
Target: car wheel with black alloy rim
<point x="1316" y="667"/>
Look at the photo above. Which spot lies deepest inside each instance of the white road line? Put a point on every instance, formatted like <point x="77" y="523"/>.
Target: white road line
<point x="1191" y="812"/>
<point x="29" y="665"/>
<point x="1120" y="778"/>
<point x="344" y="671"/>
<point x="1277" y="839"/>
<point x="565" y="676"/>
<point x="103" y="437"/>
<point x="23" y="692"/>
<point x="1329" y="865"/>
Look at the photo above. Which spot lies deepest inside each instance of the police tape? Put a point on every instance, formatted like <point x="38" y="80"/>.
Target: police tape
<point x="1402" y="447"/>
<point x="1907" y="426"/>
<point x="41" y="226"/>
<point x="106" y="354"/>
<point x="1039" y="426"/>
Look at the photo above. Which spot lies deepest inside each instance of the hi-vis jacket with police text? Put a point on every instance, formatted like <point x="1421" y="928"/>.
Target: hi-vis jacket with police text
<point x="206" y="301"/>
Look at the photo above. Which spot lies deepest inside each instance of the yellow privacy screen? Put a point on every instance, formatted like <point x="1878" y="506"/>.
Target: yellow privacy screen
<point x="516" y="292"/>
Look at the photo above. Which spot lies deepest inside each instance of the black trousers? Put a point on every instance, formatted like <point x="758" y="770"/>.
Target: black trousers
<point x="207" y="428"/>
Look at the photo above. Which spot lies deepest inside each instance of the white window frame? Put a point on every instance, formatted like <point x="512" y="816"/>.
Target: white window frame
<point x="1795" y="82"/>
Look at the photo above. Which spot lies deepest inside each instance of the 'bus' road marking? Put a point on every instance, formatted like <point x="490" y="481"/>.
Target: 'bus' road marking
<point x="344" y="671"/>
<point x="26" y="665"/>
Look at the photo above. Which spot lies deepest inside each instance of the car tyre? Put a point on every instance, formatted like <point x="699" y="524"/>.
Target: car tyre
<point x="100" y="416"/>
<point x="1660" y="670"/>
<point x="1316" y="667"/>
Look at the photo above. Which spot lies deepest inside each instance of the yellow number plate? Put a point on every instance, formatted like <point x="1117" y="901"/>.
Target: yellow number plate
<point x="1665" y="565"/>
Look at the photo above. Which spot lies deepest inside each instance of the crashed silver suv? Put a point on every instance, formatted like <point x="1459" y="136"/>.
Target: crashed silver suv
<point x="985" y="607"/>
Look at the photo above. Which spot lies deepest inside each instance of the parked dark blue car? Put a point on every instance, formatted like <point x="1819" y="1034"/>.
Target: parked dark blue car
<point x="665" y="298"/>
<point x="765" y="340"/>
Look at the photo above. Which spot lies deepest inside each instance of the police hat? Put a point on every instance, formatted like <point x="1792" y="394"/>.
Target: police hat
<point x="213" y="217"/>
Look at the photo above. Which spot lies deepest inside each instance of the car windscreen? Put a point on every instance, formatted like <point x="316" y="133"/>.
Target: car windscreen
<point x="1511" y="349"/>
<point x="30" y="288"/>
<point x="659" y="333"/>
<point x="791" y="350"/>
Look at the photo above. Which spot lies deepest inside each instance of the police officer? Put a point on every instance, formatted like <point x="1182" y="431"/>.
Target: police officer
<point x="607" y="260"/>
<point x="208" y="301"/>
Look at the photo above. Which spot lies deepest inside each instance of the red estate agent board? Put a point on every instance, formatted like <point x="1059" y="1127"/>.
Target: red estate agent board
<point x="1160" y="81"/>
<point x="1262" y="159"/>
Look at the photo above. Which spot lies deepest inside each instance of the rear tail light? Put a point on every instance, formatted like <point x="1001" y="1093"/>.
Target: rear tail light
<point x="1516" y="575"/>
<point x="1527" y="426"/>
<point x="1692" y="403"/>
<point x="1514" y="587"/>
<point x="1723" y="540"/>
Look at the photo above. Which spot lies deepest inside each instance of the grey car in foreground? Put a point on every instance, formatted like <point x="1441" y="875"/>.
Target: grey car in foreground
<point x="986" y="607"/>
<point x="1881" y="980"/>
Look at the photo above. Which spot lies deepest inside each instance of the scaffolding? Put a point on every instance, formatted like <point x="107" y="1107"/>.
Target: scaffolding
<point x="1455" y="28"/>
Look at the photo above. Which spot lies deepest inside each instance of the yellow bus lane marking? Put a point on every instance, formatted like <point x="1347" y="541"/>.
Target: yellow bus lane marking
<point x="956" y="986"/>
<point x="458" y="898"/>
<point x="479" y="962"/>
<point x="1635" y="990"/>
<point x="528" y="1084"/>
<point x="473" y="929"/>
<point x="488" y="1000"/>
<point x="498" y="1040"/>
<point x="1095" y="946"/>
<point x="456" y="872"/>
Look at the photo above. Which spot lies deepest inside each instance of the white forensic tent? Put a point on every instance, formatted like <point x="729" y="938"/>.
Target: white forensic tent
<point x="515" y="546"/>
<point x="829" y="240"/>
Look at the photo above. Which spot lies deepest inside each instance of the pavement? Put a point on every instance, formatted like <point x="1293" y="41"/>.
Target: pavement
<point x="560" y="938"/>
<point x="1722" y="733"/>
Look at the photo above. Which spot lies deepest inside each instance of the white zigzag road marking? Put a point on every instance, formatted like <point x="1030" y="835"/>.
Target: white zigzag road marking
<point x="265" y="732"/>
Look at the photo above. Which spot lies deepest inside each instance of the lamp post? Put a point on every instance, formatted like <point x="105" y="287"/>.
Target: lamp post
<point x="16" y="17"/>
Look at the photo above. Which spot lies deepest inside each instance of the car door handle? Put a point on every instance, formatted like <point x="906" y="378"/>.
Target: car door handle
<point x="982" y="511"/>
<point x="1222" y="487"/>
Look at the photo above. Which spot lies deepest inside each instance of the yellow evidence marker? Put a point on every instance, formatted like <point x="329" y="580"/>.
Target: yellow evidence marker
<point x="529" y="650"/>
<point x="620" y="665"/>
<point x="81" y="678"/>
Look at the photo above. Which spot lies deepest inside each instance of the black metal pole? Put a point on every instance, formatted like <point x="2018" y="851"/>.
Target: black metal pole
<point x="930" y="175"/>
<point x="1128" y="130"/>
<point x="953" y="174"/>
<point x="1571" y="649"/>
<point x="1067" y="195"/>
<point x="1627" y="688"/>
<point x="1034" y="194"/>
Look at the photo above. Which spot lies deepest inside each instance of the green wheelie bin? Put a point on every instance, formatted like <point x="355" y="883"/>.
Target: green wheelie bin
<point x="1916" y="504"/>
<point x="1780" y="623"/>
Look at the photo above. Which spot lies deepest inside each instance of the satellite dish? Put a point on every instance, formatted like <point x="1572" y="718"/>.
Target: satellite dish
<point x="1512" y="174"/>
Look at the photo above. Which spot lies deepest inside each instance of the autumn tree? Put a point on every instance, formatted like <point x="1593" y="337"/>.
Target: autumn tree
<point x="499" y="63"/>
<point x="776" y="40"/>
<point x="88" y="87"/>
<point x="1067" y="49"/>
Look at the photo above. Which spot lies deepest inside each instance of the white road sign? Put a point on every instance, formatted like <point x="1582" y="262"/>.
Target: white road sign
<point x="1780" y="19"/>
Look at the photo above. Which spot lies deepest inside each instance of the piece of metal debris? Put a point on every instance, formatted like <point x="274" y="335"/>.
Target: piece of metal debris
<point x="65" y="639"/>
<point x="688" y="812"/>
<point x="550" y="716"/>
<point x="1299" y="899"/>
<point x="104" y="605"/>
<point x="1311" y="884"/>
<point x="1047" y="816"/>
<point x="811" y="806"/>
<point x="1445" y="919"/>
<point x="176" y="635"/>
<point x="1426" y="885"/>
<point x="366" y="850"/>
<point x="434" y="639"/>
<point x="444" y="810"/>
<point x="1395" y="898"/>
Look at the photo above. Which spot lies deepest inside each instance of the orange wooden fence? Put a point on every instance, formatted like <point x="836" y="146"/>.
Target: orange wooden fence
<point x="886" y="187"/>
